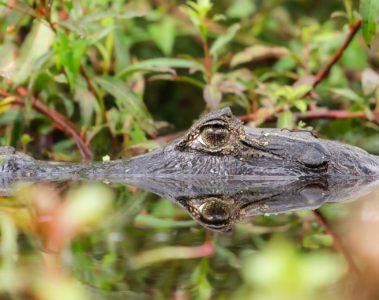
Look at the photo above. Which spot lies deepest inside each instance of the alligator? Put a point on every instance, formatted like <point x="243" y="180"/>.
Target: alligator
<point x="218" y="145"/>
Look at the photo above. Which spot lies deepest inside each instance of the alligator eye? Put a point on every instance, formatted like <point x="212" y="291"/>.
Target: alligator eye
<point x="214" y="212"/>
<point x="214" y="135"/>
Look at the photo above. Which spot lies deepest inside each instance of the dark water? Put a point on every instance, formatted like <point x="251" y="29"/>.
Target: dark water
<point x="175" y="238"/>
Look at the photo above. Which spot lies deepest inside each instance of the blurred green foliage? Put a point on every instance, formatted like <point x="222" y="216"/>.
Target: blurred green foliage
<point x="112" y="78"/>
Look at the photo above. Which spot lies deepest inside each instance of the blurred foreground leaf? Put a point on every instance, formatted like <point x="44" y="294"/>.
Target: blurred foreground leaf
<point x="295" y="275"/>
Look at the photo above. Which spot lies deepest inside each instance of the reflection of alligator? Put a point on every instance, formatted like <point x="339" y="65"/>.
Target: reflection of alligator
<point x="217" y="145"/>
<point x="219" y="203"/>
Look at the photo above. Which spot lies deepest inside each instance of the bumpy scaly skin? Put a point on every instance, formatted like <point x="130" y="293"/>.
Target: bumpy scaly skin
<point x="248" y="152"/>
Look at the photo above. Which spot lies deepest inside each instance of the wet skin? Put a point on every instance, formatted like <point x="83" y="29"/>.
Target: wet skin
<point x="218" y="145"/>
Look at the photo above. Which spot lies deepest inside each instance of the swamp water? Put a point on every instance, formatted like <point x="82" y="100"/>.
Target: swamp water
<point x="184" y="238"/>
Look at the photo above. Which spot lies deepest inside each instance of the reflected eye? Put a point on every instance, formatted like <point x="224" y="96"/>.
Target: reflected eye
<point x="214" y="135"/>
<point x="214" y="212"/>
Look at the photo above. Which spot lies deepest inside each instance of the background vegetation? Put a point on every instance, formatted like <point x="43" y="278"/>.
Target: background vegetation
<point x="85" y="79"/>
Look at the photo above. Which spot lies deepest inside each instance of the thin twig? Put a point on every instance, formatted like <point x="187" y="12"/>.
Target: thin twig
<point x="332" y="114"/>
<point x="88" y="80"/>
<point x="337" y="241"/>
<point x="207" y="60"/>
<point x="261" y="115"/>
<point x="61" y="122"/>
<point x="320" y="76"/>
<point x="313" y="114"/>
<point x="83" y="71"/>
<point x="323" y="73"/>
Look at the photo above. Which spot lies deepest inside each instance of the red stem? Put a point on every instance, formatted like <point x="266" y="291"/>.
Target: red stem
<point x="320" y="76"/>
<point x="207" y="60"/>
<point x="313" y="114"/>
<point x="61" y="122"/>
<point x="331" y="114"/>
<point x="323" y="73"/>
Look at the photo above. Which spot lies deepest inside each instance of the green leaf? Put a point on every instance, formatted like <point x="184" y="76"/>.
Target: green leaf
<point x="164" y="209"/>
<point x="241" y="9"/>
<point x="87" y="103"/>
<point x="26" y="139"/>
<point x="202" y="289"/>
<point x="349" y="9"/>
<point x="301" y="90"/>
<point x="69" y="51"/>
<point x="36" y="45"/>
<point x="7" y="59"/>
<point x="128" y="102"/>
<point x="256" y="52"/>
<point x="347" y="94"/>
<point x="164" y="35"/>
<point x="159" y="65"/>
<point x="197" y="12"/>
<point x="286" y="120"/>
<point x="355" y="56"/>
<point x="116" y="15"/>
<point x="301" y="105"/>
<point x="224" y="39"/>
<point x="155" y="222"/>
<point x="370" y="15"/>
<point x="317" y="240"/>
<point x="64" y="146"/>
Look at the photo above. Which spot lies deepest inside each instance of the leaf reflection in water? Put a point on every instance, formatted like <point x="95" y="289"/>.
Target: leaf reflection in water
<point x="116" y="239"/>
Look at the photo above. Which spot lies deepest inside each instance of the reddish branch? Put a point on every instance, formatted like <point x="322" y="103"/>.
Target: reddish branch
<point x="60" y="122"/>
<point x="332" y="114"/>
<point x="88" y="79"/>
<point x="207" y="61"/>
<point x="320" y="76"/>
<point x="45" y="13"/>
<point x="314" y="114"/>
<point x="323" y="73"/>
<point x="260" y="115"/>
<point x="337" y="241"/>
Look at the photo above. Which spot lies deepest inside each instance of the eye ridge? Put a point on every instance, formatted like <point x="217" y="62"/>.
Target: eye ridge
<point x="214" y="135"/>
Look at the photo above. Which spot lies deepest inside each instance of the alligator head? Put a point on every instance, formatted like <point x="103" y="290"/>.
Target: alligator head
<point x="219" y="145"/>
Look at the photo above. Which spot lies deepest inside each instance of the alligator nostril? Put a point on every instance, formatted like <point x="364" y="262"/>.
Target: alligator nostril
<point x="317" y="165"/>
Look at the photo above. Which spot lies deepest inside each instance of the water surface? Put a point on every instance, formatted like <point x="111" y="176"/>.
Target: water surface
<point x="170" y="237"/>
